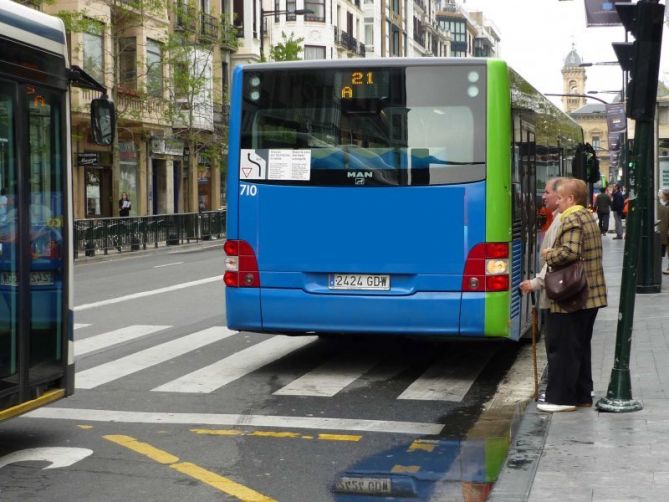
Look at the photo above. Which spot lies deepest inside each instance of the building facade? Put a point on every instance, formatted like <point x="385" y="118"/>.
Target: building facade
<point x="170" y="154"/>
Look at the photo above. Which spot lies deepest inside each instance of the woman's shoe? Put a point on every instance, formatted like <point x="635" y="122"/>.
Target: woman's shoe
<point x="666" y="272"/>
<point x="555" y="408"/>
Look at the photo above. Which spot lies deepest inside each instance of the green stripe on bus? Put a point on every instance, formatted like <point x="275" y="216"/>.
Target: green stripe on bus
<point x="498" y="185"/>
<point x="497" y="322"/>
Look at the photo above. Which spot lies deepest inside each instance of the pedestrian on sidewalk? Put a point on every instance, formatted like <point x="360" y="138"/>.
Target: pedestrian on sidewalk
<point x="603" y="208"/>
<point x="663" y="216"/>
<point x="617" y="206"/>
<point x="124" y="205"/>
<point x="569" y="332"/>
<point x="550" y="198"/>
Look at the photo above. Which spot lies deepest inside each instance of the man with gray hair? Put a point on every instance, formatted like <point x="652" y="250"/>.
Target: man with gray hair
<point x="550" y="198"/>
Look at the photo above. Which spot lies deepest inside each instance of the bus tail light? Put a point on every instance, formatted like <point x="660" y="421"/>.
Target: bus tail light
<point x="241" y="265"/>
<point x="487" y="268"/>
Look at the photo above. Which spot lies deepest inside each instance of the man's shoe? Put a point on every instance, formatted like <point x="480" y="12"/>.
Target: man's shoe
<point x="617" y="238"/>
<point x="666" y="272"/>
<point x="555" y="408"/>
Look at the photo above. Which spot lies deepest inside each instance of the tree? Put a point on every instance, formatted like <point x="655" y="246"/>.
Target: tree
<point x="174" y="86"/>
<point x="288" y="50"/>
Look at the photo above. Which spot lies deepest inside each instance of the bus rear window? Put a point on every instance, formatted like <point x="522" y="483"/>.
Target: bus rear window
<point x="370" y="126"/>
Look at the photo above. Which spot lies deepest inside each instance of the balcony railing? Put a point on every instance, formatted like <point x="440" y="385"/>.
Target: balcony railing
<point x="95" y="236"/>
<point x="221" y="113"/>
<point x="208" y="27"/>
<point x="229" y="34"/>
<point x="186" y="17"/>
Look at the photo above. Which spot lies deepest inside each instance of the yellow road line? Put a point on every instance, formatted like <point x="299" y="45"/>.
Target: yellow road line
<point x="212" y="479"/>
<point x="276" y="434"/>
<point x="339" y="437"/>
<point x="221" y="483"/>
<point x="423" y="445"/>
<point x="405" y="468"/>
<point x="218" y="432"/>
<point x="160" y="456"/>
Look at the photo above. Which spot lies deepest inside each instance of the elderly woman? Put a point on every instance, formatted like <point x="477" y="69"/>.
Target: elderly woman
<point x="569" y="328"/>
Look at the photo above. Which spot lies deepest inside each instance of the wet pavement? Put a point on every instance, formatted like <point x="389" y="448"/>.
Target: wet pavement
<point x="589" y="455"/>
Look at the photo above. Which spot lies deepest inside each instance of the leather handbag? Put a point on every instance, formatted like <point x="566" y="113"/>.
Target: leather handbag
<point x="564" y="283"/>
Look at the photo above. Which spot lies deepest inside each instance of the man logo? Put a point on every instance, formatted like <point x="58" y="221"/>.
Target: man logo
<point x="360" y="176"/>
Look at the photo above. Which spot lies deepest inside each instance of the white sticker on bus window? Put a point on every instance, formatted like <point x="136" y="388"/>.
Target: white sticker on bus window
<point x="252" y="166"/>
<point x="289" y="165"/>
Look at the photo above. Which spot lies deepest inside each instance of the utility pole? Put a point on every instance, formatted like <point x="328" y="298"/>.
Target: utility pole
<point x="642" y="58"/>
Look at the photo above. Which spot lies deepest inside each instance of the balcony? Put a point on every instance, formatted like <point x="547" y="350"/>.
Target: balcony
<point x="229" y="34"/>
<point x="221" y="114"/>
<point x="185" y="18"/>
<point x="208" y="28"/>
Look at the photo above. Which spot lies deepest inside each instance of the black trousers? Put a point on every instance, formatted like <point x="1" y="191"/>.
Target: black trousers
<point x="603" y="222"/>
<point x="568" y="338"/>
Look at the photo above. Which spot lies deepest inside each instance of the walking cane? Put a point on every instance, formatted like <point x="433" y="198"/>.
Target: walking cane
<point x="535" y="323"/>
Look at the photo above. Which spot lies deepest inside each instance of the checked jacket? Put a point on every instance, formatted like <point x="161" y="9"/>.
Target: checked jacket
<point x="579" y="237"/>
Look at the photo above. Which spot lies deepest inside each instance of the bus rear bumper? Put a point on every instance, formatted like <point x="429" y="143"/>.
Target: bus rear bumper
<point x="287" y="310"/>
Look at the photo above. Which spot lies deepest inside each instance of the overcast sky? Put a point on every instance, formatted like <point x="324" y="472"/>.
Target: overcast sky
<point x="537" y="35"/>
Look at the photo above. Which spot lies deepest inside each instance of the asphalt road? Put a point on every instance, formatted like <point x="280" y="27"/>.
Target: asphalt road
<point x="170" y="404"/>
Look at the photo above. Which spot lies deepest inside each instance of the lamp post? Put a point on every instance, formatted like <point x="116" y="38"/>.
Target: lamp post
<point x="264" y="13"/>
<point x="622" y="92"/>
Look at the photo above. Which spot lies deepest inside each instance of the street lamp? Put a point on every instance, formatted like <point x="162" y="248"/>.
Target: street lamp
<point x="601" y="63"/>
<point x="577" y="96"/>
<point x="619" y="93"/>
<point x="264" y="13"/>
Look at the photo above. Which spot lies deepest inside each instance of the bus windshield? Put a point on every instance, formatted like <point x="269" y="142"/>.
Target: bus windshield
<point x="421" y="125"/>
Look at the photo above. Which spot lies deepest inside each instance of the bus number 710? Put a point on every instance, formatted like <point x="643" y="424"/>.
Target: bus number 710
<point x="249" y="190"/>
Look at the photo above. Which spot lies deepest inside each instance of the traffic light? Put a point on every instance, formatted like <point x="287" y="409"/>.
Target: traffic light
<point x="641" y="57"/>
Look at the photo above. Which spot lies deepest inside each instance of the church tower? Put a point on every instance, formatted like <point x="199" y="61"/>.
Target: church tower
<point x="573" y="81"/>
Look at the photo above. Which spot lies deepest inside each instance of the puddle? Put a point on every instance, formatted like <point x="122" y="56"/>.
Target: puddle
<point x="436" y="468"/>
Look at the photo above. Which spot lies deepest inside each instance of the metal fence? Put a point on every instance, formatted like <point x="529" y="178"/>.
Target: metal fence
<point x="116" y="235"/>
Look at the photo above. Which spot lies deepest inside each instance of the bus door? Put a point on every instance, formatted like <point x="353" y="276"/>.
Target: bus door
<point x="33" y="277"/>
<point x="524" y="211"/>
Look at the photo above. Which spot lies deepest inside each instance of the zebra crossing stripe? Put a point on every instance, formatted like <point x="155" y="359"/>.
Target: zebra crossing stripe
<point x="286" y="422"/>
<point x="233" y="367"/>
<point x="448" y="379"/>
<point x="111" y="338"/>
<point x="78" y="325"/>
<point x="330" y="378"/>
<point x="113" y="370"/>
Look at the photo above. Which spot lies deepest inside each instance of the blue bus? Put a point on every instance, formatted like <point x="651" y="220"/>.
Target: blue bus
<point x="36" y="346"/>
<point x="389" y="196"/>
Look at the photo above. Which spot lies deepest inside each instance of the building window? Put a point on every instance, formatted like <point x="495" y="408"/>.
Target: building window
<point x="314" y="52"/>
<point x="154" y="68"/>
<point x="290" y="7"/>
<point x="127" y="63"/>
<point x="369" y="33"/>
<point x="394" y="41"/>
<point x="318" y="9"/>
<point x="396" y="6"/>
<point x="238" y="16"/>
<point x="277" y="8"/>
<point x="596" y="142"/>
<point x="93" y="54"/>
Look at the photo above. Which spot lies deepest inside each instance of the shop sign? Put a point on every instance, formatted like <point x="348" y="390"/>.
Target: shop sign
<point x="602" y="12"/>
<point x="87" y="159"/>
<point x="127" y="152"/>
<point x="167" y="146"/>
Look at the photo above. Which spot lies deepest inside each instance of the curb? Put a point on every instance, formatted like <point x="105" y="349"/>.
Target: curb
<point x="515" y="481"/>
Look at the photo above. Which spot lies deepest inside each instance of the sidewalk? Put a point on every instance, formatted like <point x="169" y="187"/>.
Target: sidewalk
<point x="162" y="248"/>
<point x="591" y="456"/>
